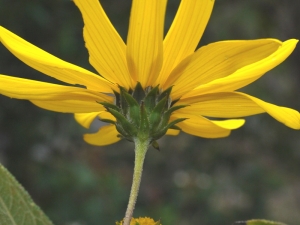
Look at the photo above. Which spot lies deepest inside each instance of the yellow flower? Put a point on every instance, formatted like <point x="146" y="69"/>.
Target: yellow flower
<point x="205" y="79"/>
<point x="141" y="221"/>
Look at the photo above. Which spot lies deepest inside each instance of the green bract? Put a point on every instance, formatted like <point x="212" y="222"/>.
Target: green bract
<point x="143" y="114"/>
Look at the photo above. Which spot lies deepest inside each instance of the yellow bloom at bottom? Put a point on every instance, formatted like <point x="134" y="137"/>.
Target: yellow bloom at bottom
<point x="141" y="221"/>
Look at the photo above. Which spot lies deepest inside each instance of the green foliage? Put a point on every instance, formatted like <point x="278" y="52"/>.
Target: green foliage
<point x="258" y="222"/>
<point x="16" y="207"/>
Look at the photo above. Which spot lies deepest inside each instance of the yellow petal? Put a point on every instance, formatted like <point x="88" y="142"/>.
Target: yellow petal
<point x="35" y="90"/>
<point x="85" y="119"/>
<point x="220" y="105"/>
<point x="105" y="136"/>
<point x="236" y="104"/>
<point x="106" y="115"/>
<point x="202" y="127"/>
<point x="145" y="39"/>
<point x="218" y="60"/>
<point x="246" y="74"/>
<point x="230" y="124"/>
<point x="184" y="33"/>
<point x="70" y="106"/>
<point x="172" y="132"/>
<point x="51" y="65"/>
<point x="106" y="48"/>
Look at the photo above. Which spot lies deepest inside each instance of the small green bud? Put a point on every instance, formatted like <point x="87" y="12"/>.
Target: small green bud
<point x="155" y="145"/>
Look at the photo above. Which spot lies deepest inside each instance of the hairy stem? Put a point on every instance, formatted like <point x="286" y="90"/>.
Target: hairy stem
<point x="141" y="147"/>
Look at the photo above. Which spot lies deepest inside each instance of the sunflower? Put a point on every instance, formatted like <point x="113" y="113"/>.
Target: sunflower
<point x="152" y="85"/>
<point x="141" y="221"/>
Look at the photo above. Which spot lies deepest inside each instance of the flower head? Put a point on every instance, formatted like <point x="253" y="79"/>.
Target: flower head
<point x="141" y="221"/>
<point x="186" y="86"/>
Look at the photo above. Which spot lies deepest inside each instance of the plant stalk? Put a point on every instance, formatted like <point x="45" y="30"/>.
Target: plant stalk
<point x="141" y="147"/>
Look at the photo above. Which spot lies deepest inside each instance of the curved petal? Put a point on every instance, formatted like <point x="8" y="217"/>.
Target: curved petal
<point x="36" y="90"/>
<point x="184" y="34"/>
<point x="106" y="115"/>
<point x="202" y="127"/>
<point x="236" y="104"/>
<point x="220" y="105"/>
<point x="218" y="60"/>
<point x="51" y="65"/>
<point x="105" y="136"/>
<point x="145" y="39"/>
<point x="247" y="74"/>
<point x="106" y="48"/>
<point x="85" y="119"/>
<point x="70" y="106"/>
<point x="172" y="132"/>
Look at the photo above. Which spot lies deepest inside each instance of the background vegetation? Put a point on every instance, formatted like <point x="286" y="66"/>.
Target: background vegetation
<point x="254" y="173"/>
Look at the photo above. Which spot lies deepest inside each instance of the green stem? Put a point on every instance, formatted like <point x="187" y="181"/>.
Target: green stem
<point x="141" y="147"/>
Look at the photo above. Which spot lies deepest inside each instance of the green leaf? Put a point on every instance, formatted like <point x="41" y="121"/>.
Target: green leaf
<point x="258" y="222"/>
<point x="16" y="206"/>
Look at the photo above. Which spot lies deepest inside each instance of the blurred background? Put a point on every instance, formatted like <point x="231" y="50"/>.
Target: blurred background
<point x="254" y="173"/>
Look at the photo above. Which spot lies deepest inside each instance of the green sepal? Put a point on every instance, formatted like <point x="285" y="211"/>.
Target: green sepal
<point x="129" y="129"/>
<point x="174" y="108"/>
<point x="150" y="99"/>
<point x="155" y="145"/>
<point x="133" y="111"/>
<point x="166" y="116"/>
<point x="138" y="93"/>
<point x="144" y="126"/>
<point x="110" y="106"/>
<point x="174" y="101"/>
<point x="156" y="114"/>
<point x="122" y="132"/>
<point x="107" y="121"/>
<point x="163" y="130"/>
<point x="123" y="103"/>
<point x="171" y="124"/>
<point x="123" y="137"/>
<point x="165" y="93"/>
<point x="174" y="127"/>
<point x="117" y="99"/>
